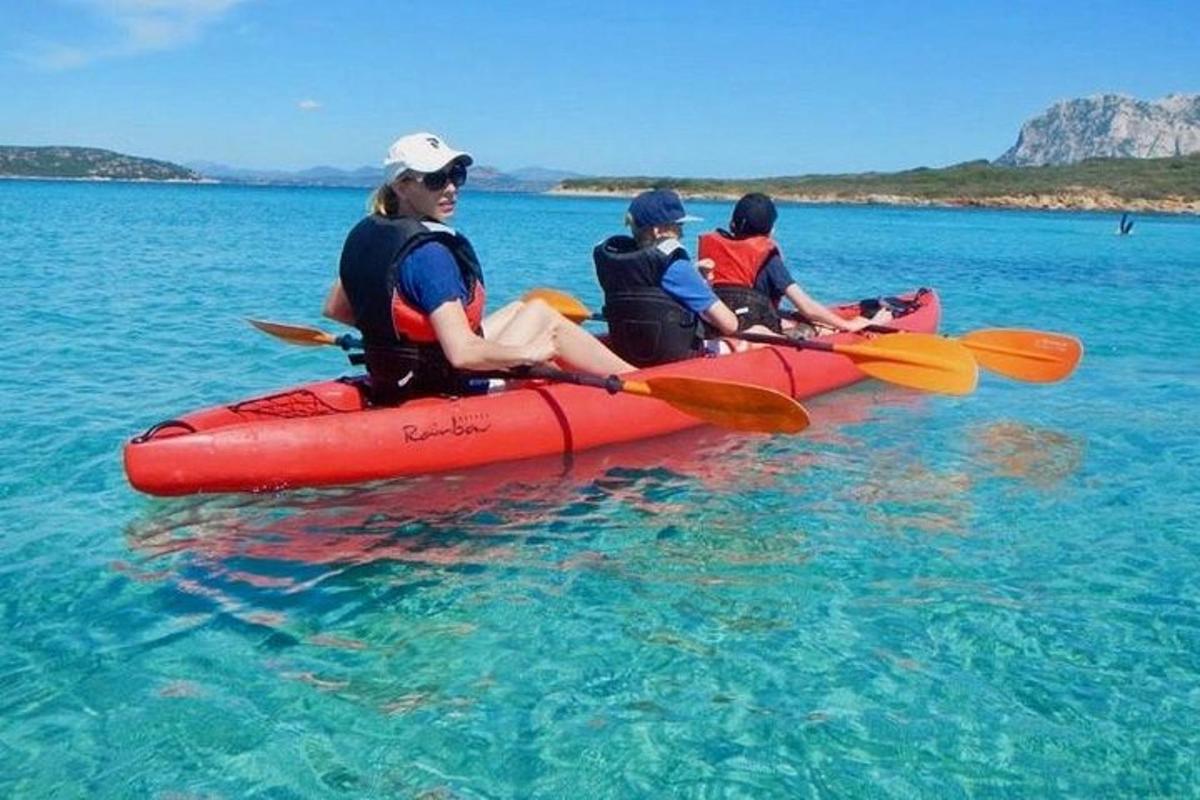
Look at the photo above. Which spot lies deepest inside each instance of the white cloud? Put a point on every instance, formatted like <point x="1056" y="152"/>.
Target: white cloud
<point x="55" y="57"/>
<point x="143" y="26"/>
<point x="308" y="105"/>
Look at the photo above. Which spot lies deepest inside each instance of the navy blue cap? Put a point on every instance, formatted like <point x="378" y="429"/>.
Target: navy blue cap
<point x="658" y="207"/>
<point x="754" y="215"/>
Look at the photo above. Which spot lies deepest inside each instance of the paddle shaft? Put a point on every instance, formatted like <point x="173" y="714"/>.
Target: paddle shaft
<point x="783" y="341"/>
<point x="610" y="383"/>
<point x="854" y="351"/>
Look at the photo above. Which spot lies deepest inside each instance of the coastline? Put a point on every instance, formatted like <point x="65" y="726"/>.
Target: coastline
<point x="1057" y="201"/>
<point x="1066" y="200"/>
<point x="105" y="179"/>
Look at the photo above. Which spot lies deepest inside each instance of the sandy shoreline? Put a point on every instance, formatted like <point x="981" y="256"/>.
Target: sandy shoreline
<point x="1058" y="201"/>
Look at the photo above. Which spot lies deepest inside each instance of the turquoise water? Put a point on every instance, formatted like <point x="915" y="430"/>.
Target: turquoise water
<point x="992" y="596"/>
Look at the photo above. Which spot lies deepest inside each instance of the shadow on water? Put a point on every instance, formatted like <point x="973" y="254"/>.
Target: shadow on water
<point x="1040" y="457"/>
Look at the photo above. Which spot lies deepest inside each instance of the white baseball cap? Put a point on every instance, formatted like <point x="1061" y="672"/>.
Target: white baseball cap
<point x="420" y="152"/>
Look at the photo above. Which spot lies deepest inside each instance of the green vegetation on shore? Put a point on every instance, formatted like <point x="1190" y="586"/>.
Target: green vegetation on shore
<point x="86" y="163"/>
<point x="1097" y="182"/>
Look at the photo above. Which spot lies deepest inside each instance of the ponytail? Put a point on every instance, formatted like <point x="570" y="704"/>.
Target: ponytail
<point x="383" y="201"/>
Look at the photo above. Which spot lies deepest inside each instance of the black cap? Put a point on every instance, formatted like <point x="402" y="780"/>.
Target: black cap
<point x="754" y="215"/>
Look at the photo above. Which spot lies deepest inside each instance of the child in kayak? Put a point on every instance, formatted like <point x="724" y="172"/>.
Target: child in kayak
<point x="414" y="287"/>
<point x="749" y="275"/>
<point x="655" y="298"/>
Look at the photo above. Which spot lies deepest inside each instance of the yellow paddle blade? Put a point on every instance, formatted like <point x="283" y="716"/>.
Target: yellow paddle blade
<point x="561" y="302"/>
<point x="296" y="334"/>
<point x="1025" y="355"/>
<point x="737" y="406"/>
<point x="916" y="360"/>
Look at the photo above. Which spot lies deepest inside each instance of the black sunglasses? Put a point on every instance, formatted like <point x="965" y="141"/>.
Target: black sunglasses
<point x="456" y="173"/>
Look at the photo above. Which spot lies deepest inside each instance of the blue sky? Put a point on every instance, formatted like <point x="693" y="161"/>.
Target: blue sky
<point x="603" y="87"/>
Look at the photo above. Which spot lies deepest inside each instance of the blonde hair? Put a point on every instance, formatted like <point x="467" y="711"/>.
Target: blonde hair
<point x="383" y="201"/>
<point x="654" y="233"/>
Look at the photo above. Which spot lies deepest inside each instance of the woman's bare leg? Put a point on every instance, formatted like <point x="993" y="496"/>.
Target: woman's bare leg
<point x="576" y="347"/>
<point x="496" y="321"/>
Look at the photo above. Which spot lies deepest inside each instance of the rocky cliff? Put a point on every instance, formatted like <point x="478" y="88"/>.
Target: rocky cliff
<point x="1108" y="126"/>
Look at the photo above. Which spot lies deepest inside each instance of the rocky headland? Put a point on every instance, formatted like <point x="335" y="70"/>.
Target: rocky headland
<point x="1108" y="126"/>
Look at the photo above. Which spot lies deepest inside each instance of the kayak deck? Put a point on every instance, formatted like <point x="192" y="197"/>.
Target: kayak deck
<point x="325" y="433"/>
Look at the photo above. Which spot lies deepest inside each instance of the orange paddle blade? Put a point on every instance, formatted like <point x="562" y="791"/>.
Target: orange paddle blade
<point x="1025" y="355"/>
<point x="737" y="406"/>
<point x="561" y="302"/>
<point x="916" y="360"/>
<point x="296" y="334"/>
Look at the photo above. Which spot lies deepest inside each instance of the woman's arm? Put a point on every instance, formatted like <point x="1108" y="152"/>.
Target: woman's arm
<point x="337" y="306"/>
<point x="464" y="349"/>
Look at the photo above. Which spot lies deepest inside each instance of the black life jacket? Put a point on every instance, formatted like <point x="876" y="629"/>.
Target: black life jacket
<point x="401" y="354"/>
<point x="751" y="306"/>
<point x="646" y="325"/>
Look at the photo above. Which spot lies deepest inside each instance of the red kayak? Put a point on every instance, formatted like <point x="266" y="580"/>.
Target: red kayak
<point x="323" y="434"/>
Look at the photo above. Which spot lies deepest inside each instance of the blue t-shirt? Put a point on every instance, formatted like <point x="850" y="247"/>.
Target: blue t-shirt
<point x="685" y="283"/>
<point x="774" y="278"/>
<point x="430" y="277"/>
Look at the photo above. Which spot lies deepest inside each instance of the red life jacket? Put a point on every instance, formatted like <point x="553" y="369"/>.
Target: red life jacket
<point x="738" y="261"/>
<point x="412" y="324"/>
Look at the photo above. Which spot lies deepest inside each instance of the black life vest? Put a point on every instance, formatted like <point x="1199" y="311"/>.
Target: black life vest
<point x="646" y="325"/>
<point x="401" y="354"/>
<point x="738" y="264"/>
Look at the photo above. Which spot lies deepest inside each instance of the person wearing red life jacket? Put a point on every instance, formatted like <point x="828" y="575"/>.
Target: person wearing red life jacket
<point x="749" y="275"/>
<point x="414" y="287"/>
<point x="658" y="306"/>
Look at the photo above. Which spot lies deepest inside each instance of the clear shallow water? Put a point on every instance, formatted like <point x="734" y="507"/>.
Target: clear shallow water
<point x="992" y="596"/>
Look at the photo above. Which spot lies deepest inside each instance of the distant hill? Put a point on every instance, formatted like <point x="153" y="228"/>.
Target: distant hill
<point x="87" y="163"/>
<point x="481" y="178"/>
<point x="1108" y="126"/>
<point x="1166" y="184"/>
<point x="313" y="176"/>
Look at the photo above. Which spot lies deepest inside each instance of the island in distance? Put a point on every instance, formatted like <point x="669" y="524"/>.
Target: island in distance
<point x="90" y="163"/>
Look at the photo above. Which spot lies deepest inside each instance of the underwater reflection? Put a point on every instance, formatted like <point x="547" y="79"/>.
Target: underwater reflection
<point x="472" y="518"/>
<point x="1040" y="457"/>
<point x="881" y="471"/>
<point x="901" y="493"/>
<point x="300" y="565"/>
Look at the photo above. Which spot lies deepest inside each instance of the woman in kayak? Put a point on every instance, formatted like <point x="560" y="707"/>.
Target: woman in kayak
<point x="654" y="295"/>
<point x="414" y="287"/>
<point x="749" y="274"/>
